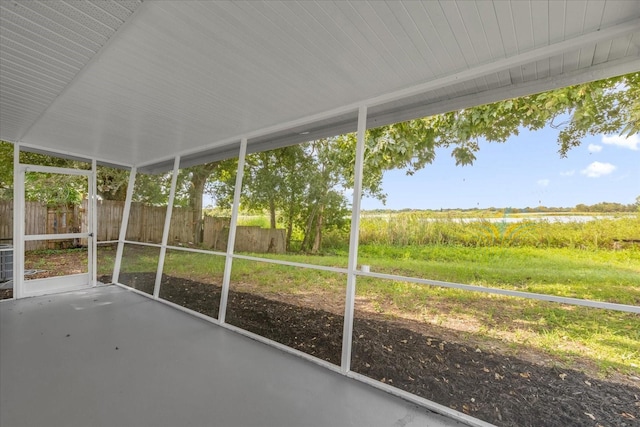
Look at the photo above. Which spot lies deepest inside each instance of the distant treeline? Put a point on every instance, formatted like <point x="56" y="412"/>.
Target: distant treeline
<point x="608" y="207"/>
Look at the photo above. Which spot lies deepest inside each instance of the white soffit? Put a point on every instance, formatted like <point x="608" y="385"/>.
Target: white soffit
<point x="180" y="77"/>
<point x="43" y="46"/>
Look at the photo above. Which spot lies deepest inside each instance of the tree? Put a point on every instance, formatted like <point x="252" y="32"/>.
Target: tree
<point x="6" y="170"/>
<point x="197" y="177"/>
<point x="610" y="106"/>
<point x="606" y="106"/>
<point x="112" y="183"/>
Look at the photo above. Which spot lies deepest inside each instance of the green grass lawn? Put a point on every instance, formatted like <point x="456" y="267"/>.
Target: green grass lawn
<point x="610" y="339"/>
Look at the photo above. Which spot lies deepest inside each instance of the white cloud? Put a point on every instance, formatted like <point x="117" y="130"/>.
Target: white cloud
<point x="632" y="142"/>
<point x="543" y="182"/>
<point x="593" y="148"/>
<point x="597" y="169"/>
<point x="568" y="173"/>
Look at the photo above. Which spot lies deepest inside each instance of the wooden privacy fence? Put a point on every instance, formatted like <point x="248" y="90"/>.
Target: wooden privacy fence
<point x="146" y="224"/>
<point x="6" y="221"/>
<point x="40" y="219"/>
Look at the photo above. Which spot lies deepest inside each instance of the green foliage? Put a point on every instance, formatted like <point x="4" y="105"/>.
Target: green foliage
<point x="300" y="187"/>
<point x="419" y="229"/>
<point x="55" y="189"/>
<point x="6" y="170"/>
<point x="607" y="207"/>
<point x="112" y="183"/>
<point x="602" y="107"/>
<point x="253" y="221"/>
<point x="152" y="189"/>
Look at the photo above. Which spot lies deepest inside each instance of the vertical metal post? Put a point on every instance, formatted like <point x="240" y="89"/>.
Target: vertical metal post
<point x="167" y="225"/>
<point x="232" y="232"/>
<point x="92" y="223"/>
<point x="18" y="224"/>
<point x="123" y="226"/>
<point x="347" y="334"/>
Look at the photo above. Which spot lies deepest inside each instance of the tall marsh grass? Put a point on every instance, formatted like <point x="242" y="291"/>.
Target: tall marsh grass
<point x="411" y="228"/>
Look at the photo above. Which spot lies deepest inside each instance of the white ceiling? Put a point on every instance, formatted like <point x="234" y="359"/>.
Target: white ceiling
<point x="137" y="83"/>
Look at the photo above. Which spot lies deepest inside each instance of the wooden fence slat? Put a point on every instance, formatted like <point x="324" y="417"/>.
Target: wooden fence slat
<point x="146" y="224"/>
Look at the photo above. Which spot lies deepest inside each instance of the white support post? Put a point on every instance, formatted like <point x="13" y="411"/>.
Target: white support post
<point x="232" y="233"/>
<point x="92" y="223"/>
<point x="167" y="225"/>
<point x="347" y="334"/>
<point x="18" y="224"/>
<point x="123" y="226"/>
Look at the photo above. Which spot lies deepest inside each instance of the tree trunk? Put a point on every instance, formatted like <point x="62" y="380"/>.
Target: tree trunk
<point x="195" y="204"/>
<point x="289" y="233"/>
<point x="272" y="212"/>
<point x="307" y="230"/>
<point x="317" y="241"/>
<point x="199" y="176"/>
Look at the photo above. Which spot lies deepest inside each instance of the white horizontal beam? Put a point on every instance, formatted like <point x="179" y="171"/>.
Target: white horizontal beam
<point x="343" y="270"/>
<point x="597" y="72"/>
<point x="53" y="169"/>
<point x="63" y="236"/>
<point x="507" y="292"/>
<point x="512" y="61"/>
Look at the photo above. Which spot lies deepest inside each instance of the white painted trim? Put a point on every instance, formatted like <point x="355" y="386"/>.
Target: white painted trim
<point x="53" y="169"/>
<point x="417" y="280"/>
<point x="44" y="286"/>
<point x="189" y="311"/>
<point x="66" y="154"/>
<point x="282" y="347"/>
<point x="354" y="239"/>
<point x="18" y="225"/>
<point x="226" y="279"/>
<point x="167" y="225"/>
<point x="506" y="63"/>
<point x="200" y="251"/>
<point x="107" y="242"/>
<point x="124" y="224"/>
<point x="293" y="263"/>
<point x="92" y="224"/>
<point x="35" y="287"/>
<point x="133" y="242"/>
<point x="507" y="292"/>
<point x="596" y="72"/>
<point x="62" y="236"/>
<point x="435" y="407"/>
<point x="134" y="290"/>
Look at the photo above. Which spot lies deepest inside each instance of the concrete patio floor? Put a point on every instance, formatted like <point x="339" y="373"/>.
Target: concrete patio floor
<point x="110" y="357"/>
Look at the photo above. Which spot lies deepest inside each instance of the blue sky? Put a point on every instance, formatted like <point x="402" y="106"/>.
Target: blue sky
<point x="524" y="171"/>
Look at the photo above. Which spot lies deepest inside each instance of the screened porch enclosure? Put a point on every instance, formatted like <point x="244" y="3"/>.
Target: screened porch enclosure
<point x="106" y="356"/>
<point x="163" y="307"/>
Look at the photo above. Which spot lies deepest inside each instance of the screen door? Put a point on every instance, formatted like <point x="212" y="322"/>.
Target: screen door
<point x="57" y="251"/>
